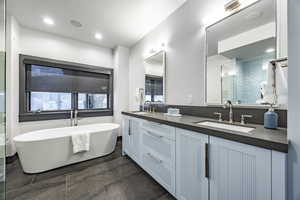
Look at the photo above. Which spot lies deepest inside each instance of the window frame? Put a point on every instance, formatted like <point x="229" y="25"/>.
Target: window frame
<point x="24" y="99"/>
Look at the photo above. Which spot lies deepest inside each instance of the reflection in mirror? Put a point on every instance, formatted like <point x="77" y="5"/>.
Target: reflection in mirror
<point x="155" y="77"/>
<point x="239" y="49"/>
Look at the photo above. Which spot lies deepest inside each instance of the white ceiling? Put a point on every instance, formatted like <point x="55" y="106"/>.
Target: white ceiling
<point x="121" y="22"/>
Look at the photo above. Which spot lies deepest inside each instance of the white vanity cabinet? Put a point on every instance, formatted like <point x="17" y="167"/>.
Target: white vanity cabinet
<point x="131" y="138"/>
<point x="195" y="166"/>
<point x="239" y="171"/>
<point x="191" y="180"/>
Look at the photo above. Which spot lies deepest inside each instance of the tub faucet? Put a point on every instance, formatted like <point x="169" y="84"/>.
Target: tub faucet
<point x="71" y="118"/>
<point x="76" y="118"/>
<point x="228" y="103"/>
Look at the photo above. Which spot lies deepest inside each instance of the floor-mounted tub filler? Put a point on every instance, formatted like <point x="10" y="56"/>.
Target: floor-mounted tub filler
<point x="48" y="149"/>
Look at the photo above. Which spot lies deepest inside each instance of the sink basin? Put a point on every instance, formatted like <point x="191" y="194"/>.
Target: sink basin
<point x="140" y="113"/>
<point x="230" y="127"/>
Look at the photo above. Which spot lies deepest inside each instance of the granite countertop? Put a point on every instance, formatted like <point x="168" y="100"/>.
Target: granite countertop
<point x="274" y="139"/>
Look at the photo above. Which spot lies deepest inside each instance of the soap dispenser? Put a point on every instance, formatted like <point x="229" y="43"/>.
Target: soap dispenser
<point x="271" y="118"/>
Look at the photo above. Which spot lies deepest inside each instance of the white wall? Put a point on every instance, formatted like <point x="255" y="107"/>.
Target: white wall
<point x="185" y="47"/>
<point x="294" y="99"/>
<point x="121" y="60"/>
<point x="12" y="82"/>
<point x="30" y="42"/>
<point x="47" y="45"/>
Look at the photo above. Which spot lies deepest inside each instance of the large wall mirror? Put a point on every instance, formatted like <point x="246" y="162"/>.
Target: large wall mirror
<point x="239" y="50"/>
<point x="155" y="77"/>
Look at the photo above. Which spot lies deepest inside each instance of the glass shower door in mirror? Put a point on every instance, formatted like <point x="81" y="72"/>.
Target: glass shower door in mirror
<point x="2" y="99"/>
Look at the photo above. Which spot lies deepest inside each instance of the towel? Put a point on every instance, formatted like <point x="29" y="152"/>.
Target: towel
<point x="269" y="96"/>
<point x="81" y="142"/>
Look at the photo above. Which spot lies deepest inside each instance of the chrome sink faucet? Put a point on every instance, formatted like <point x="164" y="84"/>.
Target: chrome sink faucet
<point x="228" y="103"/>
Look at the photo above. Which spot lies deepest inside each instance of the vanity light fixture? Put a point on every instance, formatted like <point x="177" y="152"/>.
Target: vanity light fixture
<point x="48" y="21"/>
<point x="270" y="50"/>
<point x="232" y="5"/>
<point x="98" y="36"/>
<point x="220" y="12"/>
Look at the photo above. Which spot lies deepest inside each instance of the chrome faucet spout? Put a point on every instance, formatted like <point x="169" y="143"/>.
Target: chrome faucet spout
<point x="228" y="103"/>
<point x="71" y="118"/>
<point x="76" y="118"/>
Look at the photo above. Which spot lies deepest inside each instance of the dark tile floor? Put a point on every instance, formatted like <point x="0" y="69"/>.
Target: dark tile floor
<point x="108" y="178"/>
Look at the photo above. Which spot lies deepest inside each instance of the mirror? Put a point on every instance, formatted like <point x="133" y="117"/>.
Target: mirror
<point x="239" y="50"/>
<point x="155" y="77"/>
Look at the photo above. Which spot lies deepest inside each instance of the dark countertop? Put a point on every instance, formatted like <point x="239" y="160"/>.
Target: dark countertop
<point x="261" y="137"/>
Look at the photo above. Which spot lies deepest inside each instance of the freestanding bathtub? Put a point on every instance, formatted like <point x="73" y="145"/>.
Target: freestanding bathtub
<point x="48" y="149"/>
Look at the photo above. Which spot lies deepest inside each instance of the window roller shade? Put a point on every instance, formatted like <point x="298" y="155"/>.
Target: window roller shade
<point x="51" y="79"/>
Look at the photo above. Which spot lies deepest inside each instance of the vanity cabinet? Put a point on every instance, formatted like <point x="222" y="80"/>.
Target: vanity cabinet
<point x="195" y="166"/>
<point x="191" y="180"/>
<point x="239" y="171"/>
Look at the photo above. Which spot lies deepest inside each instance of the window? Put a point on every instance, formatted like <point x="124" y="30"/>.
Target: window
<point x="50" y="101"/>
<point x="154" y="88"/>
<point x="92" y="101"/>
<point x="50" y="89"/>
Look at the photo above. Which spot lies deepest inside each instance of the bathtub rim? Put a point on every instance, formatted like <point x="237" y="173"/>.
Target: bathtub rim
<point x="17" y="139"/>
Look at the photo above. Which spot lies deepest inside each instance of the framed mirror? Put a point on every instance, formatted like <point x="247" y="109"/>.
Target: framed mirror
<point x="239" y="50"/>
<point x="155" y="77"/>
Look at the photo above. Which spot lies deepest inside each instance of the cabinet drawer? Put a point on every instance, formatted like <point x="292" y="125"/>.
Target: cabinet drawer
<point x="161" y="145"/>
<point x="159" y="129"/>
<point x="159" y="169"/>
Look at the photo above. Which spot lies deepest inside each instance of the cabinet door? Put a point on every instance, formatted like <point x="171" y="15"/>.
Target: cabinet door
<point x="131" y="143"/>
<point x="134" y="141"/>
<point x="239" y="171"/>
<point x="191" y="182"/>
<point x="125" y="136"/>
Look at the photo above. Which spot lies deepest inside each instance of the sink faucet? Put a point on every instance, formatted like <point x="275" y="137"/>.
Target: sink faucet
<point x="228" y="103"/>
<point x="148" y="103"/>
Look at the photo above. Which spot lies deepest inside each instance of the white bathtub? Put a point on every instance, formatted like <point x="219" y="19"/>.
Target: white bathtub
<point x="48" y="149"/>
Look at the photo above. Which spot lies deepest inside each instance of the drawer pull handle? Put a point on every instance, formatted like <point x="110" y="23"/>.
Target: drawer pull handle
<point x="155" y="135"/>
<point x="207" y="160"/>
<point x="129" y="128"/>
<point x="154" y="158"/>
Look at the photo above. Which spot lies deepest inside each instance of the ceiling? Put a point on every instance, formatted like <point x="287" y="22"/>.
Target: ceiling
<point x="121" y="22"/>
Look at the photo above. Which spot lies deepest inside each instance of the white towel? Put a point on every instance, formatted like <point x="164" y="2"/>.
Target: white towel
<point x="81" y="142"/>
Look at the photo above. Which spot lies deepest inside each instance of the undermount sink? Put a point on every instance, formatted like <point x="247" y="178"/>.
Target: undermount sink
<point x="140" y="113"/>
<point x="230" y="127"/>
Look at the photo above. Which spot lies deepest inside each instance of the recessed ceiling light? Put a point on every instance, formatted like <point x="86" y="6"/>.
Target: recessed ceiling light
<point x="98" y="36"/>
<point x="48" y="21"/>
<point x="270" y="50"/>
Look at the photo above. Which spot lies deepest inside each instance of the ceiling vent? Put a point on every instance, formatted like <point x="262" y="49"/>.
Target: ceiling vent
<point x="232" y="5"/>
<point x="75" y="23"/>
